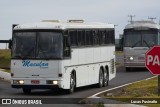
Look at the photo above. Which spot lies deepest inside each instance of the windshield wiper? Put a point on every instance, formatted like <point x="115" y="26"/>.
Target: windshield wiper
<point x="135" y="44"/>
<point x="146" y="43"/>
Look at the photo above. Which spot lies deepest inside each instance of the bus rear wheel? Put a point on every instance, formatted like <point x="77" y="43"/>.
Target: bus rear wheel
<point x="105" y="78"/>
<point x="101" y="79"/>
<point x="26" y="91"/>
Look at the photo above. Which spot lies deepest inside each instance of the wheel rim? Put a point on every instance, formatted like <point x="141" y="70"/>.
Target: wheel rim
<point x="72" y="83"/>
<point x="105" y="78"/>
<point x="101" y="78"/>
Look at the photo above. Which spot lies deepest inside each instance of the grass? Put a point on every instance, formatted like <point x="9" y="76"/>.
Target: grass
<point x="143" y="89"/>
<point x="5" y="58"/>
<point x="7" y="70"/>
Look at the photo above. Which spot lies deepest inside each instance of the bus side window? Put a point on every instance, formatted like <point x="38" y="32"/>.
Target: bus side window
<point x="95" y="37"/>
<point x="73" y="37"/>
<point x="112" y="34"/>
<point x="110" y="37"/>
<point x="67" y="45"/>
<point x="107" y="37"/>
<point x="102" y="35"/>
<point x="81" y="37"/>
<point x="89" y="38"/>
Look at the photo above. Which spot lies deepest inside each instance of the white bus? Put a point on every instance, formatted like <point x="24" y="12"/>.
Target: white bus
<point x="57" y="54"/>
<point x="139" y="37"/>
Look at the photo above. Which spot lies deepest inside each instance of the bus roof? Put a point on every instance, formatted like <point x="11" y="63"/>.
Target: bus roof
<point x="70" y="24"/>
<point x="141" y="24"/>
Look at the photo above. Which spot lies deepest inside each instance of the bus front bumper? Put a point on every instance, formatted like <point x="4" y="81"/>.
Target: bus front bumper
<point x="35" y="83"/>
<point x="35" y="86"/>
<point x="134" y="64"/>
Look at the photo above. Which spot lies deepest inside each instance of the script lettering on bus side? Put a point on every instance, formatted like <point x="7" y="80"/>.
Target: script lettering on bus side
<point x="27" y="63"/>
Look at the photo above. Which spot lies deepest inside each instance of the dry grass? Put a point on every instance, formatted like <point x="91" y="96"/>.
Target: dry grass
<point x="143" y="89"/>
<point x="5" y="58"/>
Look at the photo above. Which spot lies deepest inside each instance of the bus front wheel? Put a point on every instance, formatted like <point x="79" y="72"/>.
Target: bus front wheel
<point x="72" y="83"/>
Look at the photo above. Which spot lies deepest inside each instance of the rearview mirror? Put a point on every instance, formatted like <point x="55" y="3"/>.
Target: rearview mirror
<point x="68" y="41"/>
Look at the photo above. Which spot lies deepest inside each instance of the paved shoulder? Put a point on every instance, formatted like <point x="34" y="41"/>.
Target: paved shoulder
<point x="5" y="75"/>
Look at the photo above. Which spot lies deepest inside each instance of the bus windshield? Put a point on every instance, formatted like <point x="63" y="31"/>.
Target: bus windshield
<point x="140" y="38"/>
<point x="39" y="45"/>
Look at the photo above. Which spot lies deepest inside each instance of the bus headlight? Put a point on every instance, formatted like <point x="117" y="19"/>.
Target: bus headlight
<point x="131" y="58"/>
<point x="18" y="81"/>
<point x="21" y="81"/>
<point x="55" y="82"/>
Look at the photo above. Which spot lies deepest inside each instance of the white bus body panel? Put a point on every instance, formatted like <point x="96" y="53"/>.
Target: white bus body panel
<point x="27" y="71"/>
<point x="43" y="73"/>
<point x="87" y="62"/>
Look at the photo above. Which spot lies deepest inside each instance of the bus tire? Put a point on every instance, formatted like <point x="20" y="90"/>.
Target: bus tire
<point x="105" y="78"/>
<point x="101" y="79"/>
<point x="72" y="83"/>
<point x="26" y="91"/>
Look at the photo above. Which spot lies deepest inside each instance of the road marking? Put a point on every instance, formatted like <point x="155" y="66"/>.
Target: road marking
<point x="150" y="78"/>
<point x="95" y="95"/>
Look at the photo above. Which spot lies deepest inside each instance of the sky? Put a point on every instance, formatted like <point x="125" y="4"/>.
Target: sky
<point x="105" y="11"/>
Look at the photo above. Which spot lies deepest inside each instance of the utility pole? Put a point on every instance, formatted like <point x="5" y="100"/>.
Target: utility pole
<point x="131" y="18"/>
<point x="152" y="18"/>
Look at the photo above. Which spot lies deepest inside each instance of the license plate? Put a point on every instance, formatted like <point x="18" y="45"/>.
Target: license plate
<point x="35" y="81"/>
